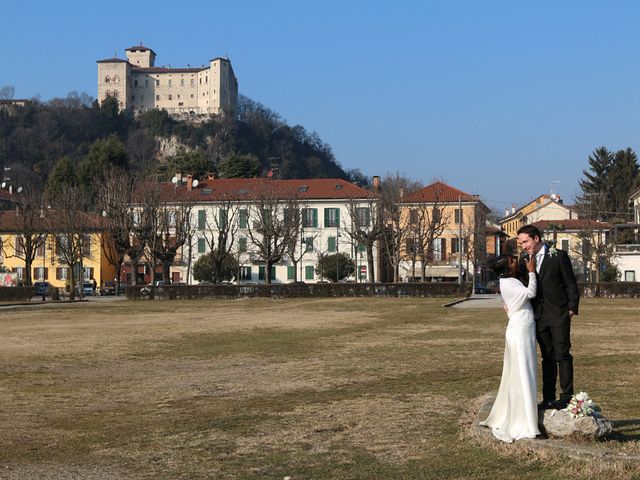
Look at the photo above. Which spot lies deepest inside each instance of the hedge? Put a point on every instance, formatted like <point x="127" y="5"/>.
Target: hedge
<point x="297" y="290"/>
<point x="16" y="294"/>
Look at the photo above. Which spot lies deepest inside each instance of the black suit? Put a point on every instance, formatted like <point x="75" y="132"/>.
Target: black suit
<point x="557" y="295"/>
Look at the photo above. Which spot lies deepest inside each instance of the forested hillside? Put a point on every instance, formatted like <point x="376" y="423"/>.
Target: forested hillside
<point x="74" y="140"/>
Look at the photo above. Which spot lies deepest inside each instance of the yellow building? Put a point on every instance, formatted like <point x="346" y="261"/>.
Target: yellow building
<point x="48" y="264"/>
<point x="449" y="225"/>
<point x="544" y="207"/>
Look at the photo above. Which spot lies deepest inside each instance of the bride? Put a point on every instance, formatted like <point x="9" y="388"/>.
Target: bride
<point x="515" y="412"/>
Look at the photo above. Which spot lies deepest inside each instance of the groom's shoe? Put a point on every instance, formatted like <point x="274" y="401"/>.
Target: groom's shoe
<point x="561" y="404"/>
<point x="547" y="405"/>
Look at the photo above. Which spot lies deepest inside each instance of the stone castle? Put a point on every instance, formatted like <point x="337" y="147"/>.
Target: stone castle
<point x="139" y="85"/>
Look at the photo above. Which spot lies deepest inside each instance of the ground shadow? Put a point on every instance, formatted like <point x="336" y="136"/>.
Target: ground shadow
<point x="625" y="430"/>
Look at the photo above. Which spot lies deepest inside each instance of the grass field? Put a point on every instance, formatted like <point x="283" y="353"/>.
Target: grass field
<point x="311" y="389"/>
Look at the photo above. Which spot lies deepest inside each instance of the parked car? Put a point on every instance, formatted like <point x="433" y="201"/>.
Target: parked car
<point x="41" y="288"/>
<point x="480" y="288"/>
<point x="87" y="289"/>
<point x="493" y="286"/>
<point x="109" y="288"/>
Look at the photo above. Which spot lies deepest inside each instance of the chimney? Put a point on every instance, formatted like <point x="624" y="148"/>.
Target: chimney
<point x="506" y="212"/>
<point x="189" y="182"/>
<point x="401" y="192"/>
<point x="513" y="208"/>
<point x="376" y="183"/>
<point x="211" y="176"/>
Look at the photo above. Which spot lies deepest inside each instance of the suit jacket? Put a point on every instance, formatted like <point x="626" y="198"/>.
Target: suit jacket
<point x="557" y="289"/>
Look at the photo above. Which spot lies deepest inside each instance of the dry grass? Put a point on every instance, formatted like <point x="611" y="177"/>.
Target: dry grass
<point x="340" y="389"/>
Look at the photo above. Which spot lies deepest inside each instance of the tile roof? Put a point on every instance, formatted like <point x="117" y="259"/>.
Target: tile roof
<point x="140" y="47"/>
<point x="252" y="188"/>
<point x="112" y="60"/>
<point x="440" y="192"/>
<point x="9" y="221"/>
<point x="570" y="224"/>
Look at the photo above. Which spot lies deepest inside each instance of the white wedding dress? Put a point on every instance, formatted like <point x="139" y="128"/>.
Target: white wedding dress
<point x="514" y="414"/>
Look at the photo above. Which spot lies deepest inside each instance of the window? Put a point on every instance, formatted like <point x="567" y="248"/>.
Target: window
<point x="243" y="217"/>
<point x="202" y="246"/>
<point x="413" y="216"/>
<point x="245" y="273"/>
<point x="182" y="82"/>
<point x="191" y="96"/>
<point x="436" y="214"/>
<point x="170" y="97"/>
<point x="157" y="98"/>
<point x="192" y="81"/>
<point x="457" y="215"/>
<point x="331" y="246"/>
<point x="411" y="246"/>
<point x="133" y="98"/>
<point x="242" y="245"/>
<point x="331" y="217"/>
<point x="86" y="245"/>
<point x="116" y="79"/>
<point x="169" y="82"/>
<point x="206" y="79"/>
<point x="40" y="273"/>
<point x="261" y="271"/>
<point x="202" y="219"/>
<point x="19" y="271"/>
<point x="88" y="273"/>
<point x="309" y="217"/>
<point x="222" y="219"/>
<point x="308" y="272"/>
<point x="291" y="272"/>
<point x="436" y="248"/>
<point x="363" y="217"/>
<point x="19" y="247"/>
<point x="135" y="83"/>
<point x="62" y="273"/>
<point x="107" y="79"/>
<point x="309" y="243"/>
<point x="146" y="83"/>
<point x="629" y="276"/>
<point x="565" y="245"/>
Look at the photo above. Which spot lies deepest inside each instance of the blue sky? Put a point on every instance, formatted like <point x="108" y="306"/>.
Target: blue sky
<point x="499" y="98"/>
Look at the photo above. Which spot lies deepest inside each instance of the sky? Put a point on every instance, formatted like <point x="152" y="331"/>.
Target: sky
<point x="505" y="99"/>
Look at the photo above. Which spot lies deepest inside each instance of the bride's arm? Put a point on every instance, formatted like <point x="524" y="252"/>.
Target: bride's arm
<point x="532" y="287"/>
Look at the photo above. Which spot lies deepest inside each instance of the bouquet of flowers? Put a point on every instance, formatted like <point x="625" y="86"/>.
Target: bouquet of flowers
<point x="582" y="406"/>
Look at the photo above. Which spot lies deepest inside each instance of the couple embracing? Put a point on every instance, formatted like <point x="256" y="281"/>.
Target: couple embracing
<point x="541" y="296"/>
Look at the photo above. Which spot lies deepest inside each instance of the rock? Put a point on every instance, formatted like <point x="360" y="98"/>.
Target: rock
<point x="560" y="423"/>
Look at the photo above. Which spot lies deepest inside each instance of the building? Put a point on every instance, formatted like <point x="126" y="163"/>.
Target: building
<point x="544" y="207"/>
<point x="139" y="85"/>
<point x="445" y="229"/>
<point x="329" y="210"/>
<point x="48" y="264"/>
<point x="626" y="251"/>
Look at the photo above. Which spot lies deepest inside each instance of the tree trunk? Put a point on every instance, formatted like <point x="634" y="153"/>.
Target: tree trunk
<point x="267" y="273"/>
<point x="134" y="271"/>
<point x="370" y="263"/>
<point x="28" y="281"/>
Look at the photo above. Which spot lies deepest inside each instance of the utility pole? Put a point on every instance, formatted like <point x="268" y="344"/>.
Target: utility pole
<point x="460" y="239"/>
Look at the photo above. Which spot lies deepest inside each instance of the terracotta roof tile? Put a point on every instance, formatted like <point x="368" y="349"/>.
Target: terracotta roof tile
<point x="252" y="188"/>
<point x="440" y="192"/>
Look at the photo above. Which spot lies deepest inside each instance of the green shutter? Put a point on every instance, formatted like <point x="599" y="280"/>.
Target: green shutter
<point x="202" y="219"/>
<point x="332" y="244"/>
<point x="201" y="245"/>
<point x="337" y="216"/>
<point x="273" y="273"/>
<point x="326" y="217"/>
<point x="242" y="244"/>
<point x="362" y="248"/>
<point x="291" y="272"/>
<point x="243" y="218"/>
<point x="315" y="217"/>
<point x="222" y="219"/>
<point x="261" y="273"/>
<point x="367" y="217"/>
<point x="308" y="270"/>
<point x="309" y="243"/>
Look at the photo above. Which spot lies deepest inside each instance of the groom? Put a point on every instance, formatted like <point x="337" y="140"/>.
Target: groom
<point x="556" y="302"/>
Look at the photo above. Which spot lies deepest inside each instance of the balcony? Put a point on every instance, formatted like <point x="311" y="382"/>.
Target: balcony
<point x="626" y="249"/>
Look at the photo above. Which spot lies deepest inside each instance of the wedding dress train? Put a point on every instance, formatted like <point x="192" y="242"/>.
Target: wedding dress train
<point x="514" y="414"/>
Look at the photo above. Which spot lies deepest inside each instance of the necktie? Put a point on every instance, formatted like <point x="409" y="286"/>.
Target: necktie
<point x="539" y="258"/>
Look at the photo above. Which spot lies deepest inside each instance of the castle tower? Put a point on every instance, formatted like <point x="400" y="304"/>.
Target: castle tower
<point x="141" y="56"/>
<point x="114" y="79"/>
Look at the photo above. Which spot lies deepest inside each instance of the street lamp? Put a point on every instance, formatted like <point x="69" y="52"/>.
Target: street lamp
<point x="44" y="254"/>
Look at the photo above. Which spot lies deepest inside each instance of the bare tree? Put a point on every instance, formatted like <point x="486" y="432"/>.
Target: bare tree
<point x="471" y="240"/>
<point x="30" y="230"/>
<point x="271" y="229"/>
<point x="71" y="224"/>
<point x="221" y="229"/>
<point x="396" y="229"/>
<point x="166" y="221"/>
<point x="366" y="228"/>
<point x="115" y="196"/>
<point x="7" y="92"/>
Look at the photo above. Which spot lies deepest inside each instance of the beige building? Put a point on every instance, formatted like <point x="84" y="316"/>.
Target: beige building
<point x="139" y="85"/>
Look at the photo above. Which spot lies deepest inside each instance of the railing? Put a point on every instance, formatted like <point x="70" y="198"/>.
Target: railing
<point x="631" y="248"/>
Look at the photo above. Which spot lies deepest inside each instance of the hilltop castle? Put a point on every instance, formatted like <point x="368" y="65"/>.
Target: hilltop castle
<point x="139" y="85"/>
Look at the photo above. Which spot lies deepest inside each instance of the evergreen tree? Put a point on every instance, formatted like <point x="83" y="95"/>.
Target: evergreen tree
<point x="623" y="179"/>
<point x="595" y="198"/>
